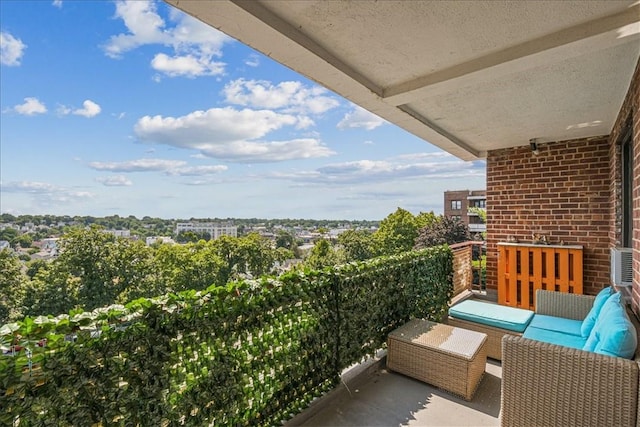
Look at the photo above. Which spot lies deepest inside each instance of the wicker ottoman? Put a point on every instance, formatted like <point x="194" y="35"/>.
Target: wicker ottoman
<point x="449" y="358"/>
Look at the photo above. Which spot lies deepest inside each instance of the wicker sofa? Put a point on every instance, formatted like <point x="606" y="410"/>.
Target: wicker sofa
<point x="546" y="384"/>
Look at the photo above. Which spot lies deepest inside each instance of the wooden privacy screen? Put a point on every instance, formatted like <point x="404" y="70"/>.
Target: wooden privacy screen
<point x="524" y="268"/>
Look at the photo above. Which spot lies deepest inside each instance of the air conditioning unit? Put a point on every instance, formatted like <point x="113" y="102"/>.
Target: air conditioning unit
<point x="622" y="266"/>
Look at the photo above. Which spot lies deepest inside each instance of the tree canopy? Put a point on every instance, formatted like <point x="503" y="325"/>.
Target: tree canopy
<point x="443" y="230"/>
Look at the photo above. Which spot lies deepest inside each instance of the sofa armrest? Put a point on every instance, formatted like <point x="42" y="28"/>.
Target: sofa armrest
<point x="549" y="385"/>
<point x="560" y="304"/>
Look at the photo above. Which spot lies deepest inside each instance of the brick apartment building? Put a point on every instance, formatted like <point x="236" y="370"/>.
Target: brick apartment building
<point x="457" y="204"/>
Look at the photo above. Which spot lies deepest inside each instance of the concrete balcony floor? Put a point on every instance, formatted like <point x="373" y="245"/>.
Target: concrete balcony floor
<point x="374" y="396"/>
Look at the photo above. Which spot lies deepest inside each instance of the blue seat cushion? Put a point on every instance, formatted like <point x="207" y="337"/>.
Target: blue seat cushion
<point x="558" y="324"/>
<point x="498" y="316"/>
<point x="554" y="337"/>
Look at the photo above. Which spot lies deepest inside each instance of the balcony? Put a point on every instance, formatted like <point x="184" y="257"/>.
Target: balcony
<point x="374" y="396"/>
<point x="371" y="395"/>
<point x="477" y="228"/>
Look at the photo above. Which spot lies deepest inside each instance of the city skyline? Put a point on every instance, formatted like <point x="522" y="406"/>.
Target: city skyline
<point x="134" y="108"/>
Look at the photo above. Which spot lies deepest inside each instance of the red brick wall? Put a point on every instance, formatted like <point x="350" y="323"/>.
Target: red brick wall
<point x="562" y="193"/>
<point x="629" y="113"/>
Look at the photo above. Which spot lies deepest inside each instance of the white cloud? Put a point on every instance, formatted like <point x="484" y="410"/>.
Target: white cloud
<point x="216" y="125"/>
<point x="401" y="168"/>
<point x="144" y="24"/>
<point x="168" y="167"/>
<point x="188" y="66"/>
<point x="290" y="97"/>
<point x="230" y="134"/>
<point x="11" y="49"/>
<point x="360" y="118"/>
<point x="63" y="110"/>
<point x="89" y="109"/>
<point x="140" y="165"/>
<point x="57" y="3"/>
<point x="273" y="151"/>
<point x="253" y="60"/>
<point x="45" y="193"/>
<point x="197" y="170"/>
<point x="194" y="44"/>
<point x="114" y="181"/>
<point x="30" y="107"/>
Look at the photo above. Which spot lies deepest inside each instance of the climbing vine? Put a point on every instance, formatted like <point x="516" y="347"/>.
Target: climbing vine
<point x="249" y="353"/>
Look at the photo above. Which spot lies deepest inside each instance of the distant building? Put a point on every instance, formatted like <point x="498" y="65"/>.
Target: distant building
<point x="457" y="204"/>
<point x="120" y="233"/>
<point x="214" y="229"/>
<point x="49" y="243"/>
<point x="152" y="240"/>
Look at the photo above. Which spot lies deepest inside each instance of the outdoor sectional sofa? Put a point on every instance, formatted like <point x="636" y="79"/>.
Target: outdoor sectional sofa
<point x="561" y="369"/>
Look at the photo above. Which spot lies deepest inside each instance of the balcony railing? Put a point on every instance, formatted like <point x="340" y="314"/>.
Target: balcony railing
<point x="250" y="353"/>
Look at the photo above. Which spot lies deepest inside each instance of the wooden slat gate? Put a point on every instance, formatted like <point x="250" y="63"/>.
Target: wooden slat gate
<point x="524" y="268"/>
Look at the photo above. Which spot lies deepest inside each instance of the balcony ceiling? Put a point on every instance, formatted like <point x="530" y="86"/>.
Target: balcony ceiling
<point x="468" y="76"/>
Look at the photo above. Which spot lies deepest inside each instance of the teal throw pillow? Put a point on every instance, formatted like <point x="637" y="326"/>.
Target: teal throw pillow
<point x="598" y="303"/>
<point x="613" y="333"/>
<point x="618" y="336"/>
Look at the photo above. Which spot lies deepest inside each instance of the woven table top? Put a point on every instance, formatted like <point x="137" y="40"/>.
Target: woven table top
<point x="448" y="339"/>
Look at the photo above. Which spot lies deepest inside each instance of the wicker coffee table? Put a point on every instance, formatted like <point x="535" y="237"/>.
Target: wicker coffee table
<point x="447" y="357"/>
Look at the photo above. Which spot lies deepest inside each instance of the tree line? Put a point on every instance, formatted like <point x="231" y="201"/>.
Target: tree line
<point x="148" y="226"/>
<point x="96" y="269"/>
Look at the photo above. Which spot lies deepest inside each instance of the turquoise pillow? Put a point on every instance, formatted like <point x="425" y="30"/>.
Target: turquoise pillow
<point x="614" y="334"/>
<point x="590" y="320"/>
<point x="594" y="336"/>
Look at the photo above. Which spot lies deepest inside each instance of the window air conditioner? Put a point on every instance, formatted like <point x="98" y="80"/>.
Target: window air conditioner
<point x="622" y="266"/>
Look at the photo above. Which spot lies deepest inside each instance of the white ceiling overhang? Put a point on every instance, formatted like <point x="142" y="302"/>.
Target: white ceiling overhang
<point x="466" y="76"/>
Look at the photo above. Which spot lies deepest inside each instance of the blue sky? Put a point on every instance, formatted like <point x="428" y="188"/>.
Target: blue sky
<point x="134" y="108"/>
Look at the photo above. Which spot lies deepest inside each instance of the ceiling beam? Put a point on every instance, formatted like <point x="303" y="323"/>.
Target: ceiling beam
<point x="567" y="43"/>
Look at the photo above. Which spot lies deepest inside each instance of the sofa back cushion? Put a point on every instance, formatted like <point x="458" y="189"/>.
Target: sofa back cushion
<point x="613" y="334"/>
<point x="589" y="321"/>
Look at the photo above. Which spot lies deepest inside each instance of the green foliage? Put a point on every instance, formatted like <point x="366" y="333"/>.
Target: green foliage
<point x="34" y="267"/>
<point x="248" y="353"/>
<point x="322" y="255"/>
<point x="445" y="230"/>
<point x="397" y="233"/>
<point x="8" y="234"/>
<point x="24" y="241"/>
<point x="424" y="219"/>
<point x="192" y="236"/>
<point x="482" y="213"/>
<point x="12" y="289"/>
<point x="108" y="269"/>
<point x="284" y="239"/>
<point x="98" y="269"/>
<point x="182" y="267"/>
<point x="357" y="245"/>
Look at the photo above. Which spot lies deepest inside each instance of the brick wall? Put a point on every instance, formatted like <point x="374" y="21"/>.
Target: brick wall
<point x="629" y="114"/>
<point x="562" y="193"/>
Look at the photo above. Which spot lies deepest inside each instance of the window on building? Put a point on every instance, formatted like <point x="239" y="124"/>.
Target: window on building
<point x="456" y="205"/>
<point x="627" y="189"/>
